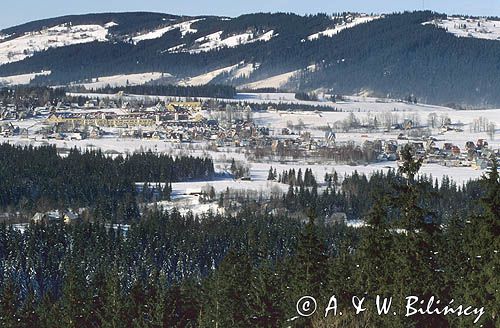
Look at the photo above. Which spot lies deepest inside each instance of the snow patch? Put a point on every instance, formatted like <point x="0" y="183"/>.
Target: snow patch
<point x="207" y="77"/>
<point x="214" y="41"/>
<point x="330" y="32"/>
<point x="110" y="24"/>
<point x="26" y="45"/>
<point x="480" y="28"/>
<point x="243" y="71"/>
<point x="123" y="80"/>
<point x="20" y="79"/>
<point x="276" y="81"/>
<point x="184" y="27"/>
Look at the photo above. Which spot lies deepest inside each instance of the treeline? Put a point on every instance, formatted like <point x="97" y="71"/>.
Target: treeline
<point x="306" y="96"/>
<point x="126" y="23"/>
<point x="31" y="96"/>
<point x="209" y="90"/>
<point x="395" y="56"/>
<point x="356" y="194"/>
<point x="291" y="177"/>
<point x="37" y="178"/>
<point x="250" y="270"/>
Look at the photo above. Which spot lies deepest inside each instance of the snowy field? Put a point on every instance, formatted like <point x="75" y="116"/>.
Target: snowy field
<point x="26" y="45"/>
<point x="184" y="28"/>
<point x="123" y="80"/>
<point x="481" y="28"/>
<point x="21" y="79"/>
<point x="185" y="194"/>
<point x="337" y="29"/>
<point x="215" y="40"/>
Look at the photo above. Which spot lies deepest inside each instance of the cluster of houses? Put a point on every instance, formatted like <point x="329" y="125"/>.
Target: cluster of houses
<point x="68" y="217"/>
<point x="173" y="121"/>
<point x="475" y="154"/>
<point x="159" y="114"/>
<point x="183" y="121"/>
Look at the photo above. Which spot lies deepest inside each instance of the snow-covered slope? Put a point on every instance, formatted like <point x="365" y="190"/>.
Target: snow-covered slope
<point x="20" y="79"/>
<point x="276" y="81"/>
<point x="184" y="27"/>
<point x="481" y="28"/>
<point x="351" y="23"/>
<point x="207" y="77"/>
<point x="58" y="36"/>
<point x="123" y="80"/>
<point x="244" y="70"/>
<point x="215" y="41"/>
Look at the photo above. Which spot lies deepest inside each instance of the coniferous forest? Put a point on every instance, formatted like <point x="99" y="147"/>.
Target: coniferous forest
<point x="247" y="269"/>
<point x="40" y="179"/>
<point x="393" y="57"/>
<point x="209" y="90"/>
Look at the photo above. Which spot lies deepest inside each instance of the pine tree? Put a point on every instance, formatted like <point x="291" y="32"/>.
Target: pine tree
<point x="416" y="250"/>
<point x="110" y="313"/>
<point x="228" y="289"/>
<point x="74" y="302"/>
<point x="482" y="283"/>
<point x="9" y="303"/>
<point x="265" y="297"/>
<point x="311" y="267"/>
<point x="270" y="175"/>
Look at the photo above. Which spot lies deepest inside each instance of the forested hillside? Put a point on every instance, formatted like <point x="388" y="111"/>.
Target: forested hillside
<point x="38" y="179"/>
<point x="395" y="55"/>
<point x="249" y="270"/>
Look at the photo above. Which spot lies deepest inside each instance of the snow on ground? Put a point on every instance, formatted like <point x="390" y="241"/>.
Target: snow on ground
<point x="26" y="45"/>
<point x="243" y="71"/>
<point x="481" y="28"/>
<point x="123" y="80"/>
<point x="222" y="157"/>
<point x="352" y="104"/>
<point x="214" y="41"/>
<point x="207" y="77"/>
<point x="185" y="195"/>
<point x="276" y="81"/>
<point x="110" y="24"/>
<point x="189" y="204"/>
<point x="317" y="122"/>
<point x="175" y="48"/>
<point x="20" y="79"/>
<point x="184" y="27"/>
<point x="330" y="32"/>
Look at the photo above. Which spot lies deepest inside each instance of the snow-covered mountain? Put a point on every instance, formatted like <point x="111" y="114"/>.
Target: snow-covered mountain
<point x="396" y="55"/>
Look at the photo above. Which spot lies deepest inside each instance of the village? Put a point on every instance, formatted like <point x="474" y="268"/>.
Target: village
<point x="216" y="125"/>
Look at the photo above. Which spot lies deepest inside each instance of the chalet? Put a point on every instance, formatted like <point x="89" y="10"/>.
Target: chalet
<point x="480" y="164"/>
<point x="69" y="217"/>
<point x="455" y="150"/>
<point x="47" y="217"/>
<point x="481" y="143"/>
<point x="470" y="145"/>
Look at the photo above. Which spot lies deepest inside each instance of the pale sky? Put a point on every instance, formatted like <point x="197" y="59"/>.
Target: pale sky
<point x="21" y="11"/>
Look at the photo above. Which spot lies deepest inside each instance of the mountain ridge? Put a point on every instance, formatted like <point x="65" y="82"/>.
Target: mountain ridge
<point x="396" y="55"/>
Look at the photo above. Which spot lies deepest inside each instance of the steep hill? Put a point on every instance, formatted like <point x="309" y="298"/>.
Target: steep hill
<point x="435" y="58"/>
